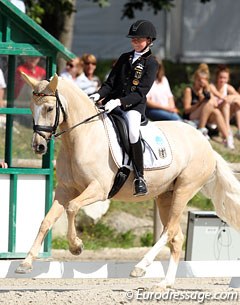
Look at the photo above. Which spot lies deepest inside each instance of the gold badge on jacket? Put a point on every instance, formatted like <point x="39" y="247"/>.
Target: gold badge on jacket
<point x="138" y="71"/>
<point x="135" y="82"/>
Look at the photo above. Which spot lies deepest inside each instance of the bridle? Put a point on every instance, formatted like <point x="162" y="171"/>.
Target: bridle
<point x="52" y="129"/>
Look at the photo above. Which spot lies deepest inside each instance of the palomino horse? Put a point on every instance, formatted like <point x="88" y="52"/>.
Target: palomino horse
<point x="86" y="171"/>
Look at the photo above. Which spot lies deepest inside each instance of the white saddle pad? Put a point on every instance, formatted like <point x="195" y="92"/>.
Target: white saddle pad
<point x="157" y="153"/>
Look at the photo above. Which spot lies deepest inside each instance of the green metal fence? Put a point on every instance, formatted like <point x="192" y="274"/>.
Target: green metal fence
<point x="21" y="36"/>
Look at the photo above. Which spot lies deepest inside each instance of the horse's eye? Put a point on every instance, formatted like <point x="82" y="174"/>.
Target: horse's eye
<point x="50" y="109"/>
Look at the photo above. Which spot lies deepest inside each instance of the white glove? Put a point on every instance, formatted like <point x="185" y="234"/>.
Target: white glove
<point x="95" y="97"/>
<point x="111" y="105"/>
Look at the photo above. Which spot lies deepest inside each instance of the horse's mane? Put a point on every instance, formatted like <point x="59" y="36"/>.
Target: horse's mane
<point x="73" y="93"/>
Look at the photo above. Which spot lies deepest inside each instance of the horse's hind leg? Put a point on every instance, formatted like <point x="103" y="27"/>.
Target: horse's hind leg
<point x="181" y="196"/>
<point x="164" y="202"/>
<point x="171" y="206"/>
<point x="175" y="243"/>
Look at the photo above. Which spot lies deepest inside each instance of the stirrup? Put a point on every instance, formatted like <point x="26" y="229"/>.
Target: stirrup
<point x="140" y="187"/>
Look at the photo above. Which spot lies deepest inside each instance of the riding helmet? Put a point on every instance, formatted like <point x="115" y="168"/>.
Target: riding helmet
<point x="142" y="29"/>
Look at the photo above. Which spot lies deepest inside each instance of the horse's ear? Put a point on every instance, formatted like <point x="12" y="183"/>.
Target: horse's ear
<point x="29" y="80"/>
<point x="53" y="83"/>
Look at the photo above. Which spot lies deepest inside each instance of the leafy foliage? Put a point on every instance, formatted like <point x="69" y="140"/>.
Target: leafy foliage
<point x="147" y="240"/>
<point x="101" y="236"/>
<point x="131" y="6"/>
<point x="37" y="9"/>
<point x="45" y="11"/>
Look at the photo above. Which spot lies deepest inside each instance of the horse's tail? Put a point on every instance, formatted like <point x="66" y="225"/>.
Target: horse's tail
<point x="224" y="190"/>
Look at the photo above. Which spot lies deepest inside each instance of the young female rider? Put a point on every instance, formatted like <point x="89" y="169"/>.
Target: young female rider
<point x="127" y="86"/>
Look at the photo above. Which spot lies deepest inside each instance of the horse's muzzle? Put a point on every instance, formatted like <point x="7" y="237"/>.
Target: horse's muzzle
<point x="39" y="145"/>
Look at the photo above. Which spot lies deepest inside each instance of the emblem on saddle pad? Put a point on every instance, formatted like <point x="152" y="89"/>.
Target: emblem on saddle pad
<point x="162" y="153"/>
<point x="161" y="150"/>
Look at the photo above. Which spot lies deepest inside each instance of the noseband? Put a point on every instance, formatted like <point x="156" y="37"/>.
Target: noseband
<point x="51" y="129"/>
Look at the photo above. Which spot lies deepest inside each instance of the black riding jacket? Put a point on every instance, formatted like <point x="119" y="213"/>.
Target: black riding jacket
<point x="130" y="82"/>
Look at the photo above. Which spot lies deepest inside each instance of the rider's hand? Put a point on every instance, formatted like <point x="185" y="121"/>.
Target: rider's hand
<point x="111" y="105"/>
<point x="95" y="97"/>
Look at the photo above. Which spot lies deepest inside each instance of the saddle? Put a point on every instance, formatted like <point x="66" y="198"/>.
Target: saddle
<point x="121" y="128"/>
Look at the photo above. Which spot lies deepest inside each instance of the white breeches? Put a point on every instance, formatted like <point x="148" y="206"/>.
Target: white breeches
<point x="134" y="122"/>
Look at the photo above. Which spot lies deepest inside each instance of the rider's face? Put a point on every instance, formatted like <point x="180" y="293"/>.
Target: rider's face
<point x="139" y="44"/>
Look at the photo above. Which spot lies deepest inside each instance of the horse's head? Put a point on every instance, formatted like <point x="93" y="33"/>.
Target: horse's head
<point x="46" y="109"/>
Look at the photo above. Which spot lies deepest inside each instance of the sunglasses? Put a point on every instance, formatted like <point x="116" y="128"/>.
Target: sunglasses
<point x="90" y="63"/>
<point x="69" y="64"/>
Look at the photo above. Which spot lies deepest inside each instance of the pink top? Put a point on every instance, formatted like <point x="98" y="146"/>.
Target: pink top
<point x="160" y="92"/>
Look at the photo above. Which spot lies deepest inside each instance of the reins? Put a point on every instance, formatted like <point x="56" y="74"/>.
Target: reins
<point x="76" y="125"/>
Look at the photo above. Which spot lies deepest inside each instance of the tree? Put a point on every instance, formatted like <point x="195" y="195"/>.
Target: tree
<point x="56" y="17"/>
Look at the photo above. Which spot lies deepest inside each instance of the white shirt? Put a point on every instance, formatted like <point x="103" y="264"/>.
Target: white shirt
<point x="19" y="4"/>
<point x="88" y="86"/>
<point x="160" y="92"/>
<point x="2" y="80"/>
<point x="138" y="54"/>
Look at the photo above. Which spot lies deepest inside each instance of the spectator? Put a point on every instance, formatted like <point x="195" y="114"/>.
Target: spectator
<point x="3" y="164"/>
<point x="31" y="68"/>
<point x="2" y="100"/>
<point x="74" y="72"/>
<point x="200" y="105"/>
<point x="2" y="89"/>
<point x="227" y="97"/>
<point x="73" y="69"/>
<point x="89" y="66"/>
<point x="160" y="101"/>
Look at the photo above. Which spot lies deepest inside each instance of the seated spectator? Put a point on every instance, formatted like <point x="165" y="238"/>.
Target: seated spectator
<point x="2" y="100"/>
<point x="160" y="101"/>
<point x="200" y="105"/>
<point x="89" y="67"/>
<point x="2" y="89"/>
<point x="227" y="97"/>
<point x="74" y="72"/>
<point x="73" y="69"/>
<point x="31" y="68"/>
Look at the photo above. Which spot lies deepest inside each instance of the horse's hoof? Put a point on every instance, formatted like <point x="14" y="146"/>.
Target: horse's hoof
<point x="77" y="250"/>
<point x="137" y="272"/>
<point x="162" y="286"/>
<point x="24" y="268"/>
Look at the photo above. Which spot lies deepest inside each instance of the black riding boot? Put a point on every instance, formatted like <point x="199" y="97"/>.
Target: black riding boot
<point x="137" y="158"/>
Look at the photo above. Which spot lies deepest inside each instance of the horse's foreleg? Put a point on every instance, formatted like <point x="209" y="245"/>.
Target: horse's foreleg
<point x="75" y="243"/>
<point x="90" y="195"/>
<point x="54" y="213"/>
